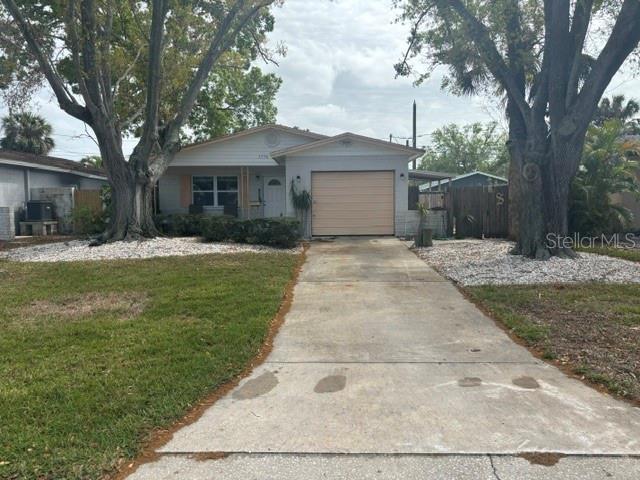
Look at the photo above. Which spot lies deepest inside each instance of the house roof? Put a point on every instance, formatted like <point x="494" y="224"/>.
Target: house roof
<point x="275" y="126"/>
<point x="45" y="162"/>
<point x="429" y="175"/>
<point x="412" y="152"/>
<point x="427" y="186"/>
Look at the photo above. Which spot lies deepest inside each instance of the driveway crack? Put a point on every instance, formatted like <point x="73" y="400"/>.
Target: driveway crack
<point x="493" y="467"/>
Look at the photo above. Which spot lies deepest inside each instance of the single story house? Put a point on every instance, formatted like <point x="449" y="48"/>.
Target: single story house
<point x="472" y="179"/>
<point x="358" y="184"/>
<point x="25" y="177"/>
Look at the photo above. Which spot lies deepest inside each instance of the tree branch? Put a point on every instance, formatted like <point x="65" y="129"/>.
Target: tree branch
<point x="149" y="138"/>
<point x="126" y="73"/>
<point x="266" y="58"/>
<point x="75" y="50"/>
<point x="623" y="40"/>
<point x="557" y="44"/>
<point x="579" y="29"/>
<point x="403" y="66"/>
<point x="66" y="101"/>
<point x="495" y="62"/>
<point x="89" y="60"/>
<point x="222" y="40"/>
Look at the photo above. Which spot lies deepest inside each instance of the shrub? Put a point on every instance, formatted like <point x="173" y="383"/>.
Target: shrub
<point x="282" y="233"/>
<point x="180" y="225"/>
<point x="216" y="229"/>
<point x="87" y="221"/>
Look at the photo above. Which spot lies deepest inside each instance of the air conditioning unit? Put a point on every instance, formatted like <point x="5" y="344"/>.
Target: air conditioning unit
<point x="39" y="211"/>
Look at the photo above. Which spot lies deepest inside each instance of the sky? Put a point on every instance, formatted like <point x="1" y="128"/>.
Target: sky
<point x="337" y="76"/>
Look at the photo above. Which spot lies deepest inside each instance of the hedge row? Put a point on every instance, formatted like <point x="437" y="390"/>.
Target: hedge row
<point x="281" y="232"/>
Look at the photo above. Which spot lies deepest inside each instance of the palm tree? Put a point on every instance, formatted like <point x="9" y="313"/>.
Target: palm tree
<point x="616" y="109"/>
<point x="609" y="165"/>
<point x="26" y="132"/>
<point x="92" y="161"/>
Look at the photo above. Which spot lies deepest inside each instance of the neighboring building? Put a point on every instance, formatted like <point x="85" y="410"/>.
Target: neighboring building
<point x="25" y="177"/>
<point x="473" y="179"/>
<point x="421" y="177"/>
<point x="359" y="185"/>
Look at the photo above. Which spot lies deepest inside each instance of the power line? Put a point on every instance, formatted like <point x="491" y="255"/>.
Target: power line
<point x="410" y="138"/>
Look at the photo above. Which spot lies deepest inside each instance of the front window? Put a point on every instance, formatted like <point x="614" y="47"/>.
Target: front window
<point x="215" y="191"/>
<point x="227" y="191"/>
<point x="203" y="191"/>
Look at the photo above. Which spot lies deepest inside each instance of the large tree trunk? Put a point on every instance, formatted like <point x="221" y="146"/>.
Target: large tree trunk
<point x="131" y="204"/>
<point x="516" y="147"/>
<point x="132" y="217"/>
<point x="531" y="240"/>
<point x="543" y="200"/>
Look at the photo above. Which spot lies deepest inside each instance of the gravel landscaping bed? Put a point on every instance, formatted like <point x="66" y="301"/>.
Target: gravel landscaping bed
<point x="79" y="250"/>
<point x="488" y="262"/>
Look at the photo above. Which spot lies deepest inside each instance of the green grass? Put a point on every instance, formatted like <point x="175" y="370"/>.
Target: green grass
<point x="81" y="390"/>
<point x="506" y="303"/>
<point x="624" y="253"/>
<point x="592" y="327"/>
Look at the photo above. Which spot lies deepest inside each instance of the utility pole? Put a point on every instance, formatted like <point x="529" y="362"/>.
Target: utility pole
<point x="414" y="131"/>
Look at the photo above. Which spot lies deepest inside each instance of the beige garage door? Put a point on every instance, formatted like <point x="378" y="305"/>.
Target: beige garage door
<point x="352" y="203"/>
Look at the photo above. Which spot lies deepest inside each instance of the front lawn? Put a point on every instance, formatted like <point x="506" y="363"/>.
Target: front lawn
<point x="592" y="328"/>
<point x="95" y="355"/>
<point x="632" y="254"/>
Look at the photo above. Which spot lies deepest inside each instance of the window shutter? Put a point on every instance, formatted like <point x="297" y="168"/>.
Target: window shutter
<point x="185" y="191"/>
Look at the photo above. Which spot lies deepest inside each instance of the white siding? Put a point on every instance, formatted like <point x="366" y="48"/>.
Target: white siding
<point x="347" y="146"/>
<point x="249" y="150"/>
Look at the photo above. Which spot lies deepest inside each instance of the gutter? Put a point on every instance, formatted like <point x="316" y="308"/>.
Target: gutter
<point x="50" y="168"/>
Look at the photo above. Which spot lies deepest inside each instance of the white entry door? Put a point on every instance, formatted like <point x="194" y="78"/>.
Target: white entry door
<point x="274" y="197"/>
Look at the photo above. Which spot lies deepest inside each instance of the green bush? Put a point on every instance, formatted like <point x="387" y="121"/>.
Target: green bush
<point x="216" y="229"/>
<point x="180" y="225"/>
<point x="87" y="221"/>
<point x="282" y="233"/>
<point x="275" y="232"/>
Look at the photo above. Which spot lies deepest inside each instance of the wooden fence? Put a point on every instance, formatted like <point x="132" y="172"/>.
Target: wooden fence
<point x="90" y="199"/>
<point x="480" y="211"/>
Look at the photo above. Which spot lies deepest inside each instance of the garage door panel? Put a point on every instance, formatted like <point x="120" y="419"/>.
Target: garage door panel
<point x="353" y="203"/>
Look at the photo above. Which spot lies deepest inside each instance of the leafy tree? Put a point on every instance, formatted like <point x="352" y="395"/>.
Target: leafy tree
<point x="92" y="161"/>
<point x="234" y="100"/>
<point x="130" y="68"/>
<point x="26" y="132"/>
<point x="537" y="54"/>
<point x="466" y="149"/>
<point x="610" y="165"/>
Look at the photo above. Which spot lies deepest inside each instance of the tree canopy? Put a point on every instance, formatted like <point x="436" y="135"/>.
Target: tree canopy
<point x="136" y="68"/>
<point x="551" y="60"/>
<point x="236" y="94"/>
<point x="468" y="148"/>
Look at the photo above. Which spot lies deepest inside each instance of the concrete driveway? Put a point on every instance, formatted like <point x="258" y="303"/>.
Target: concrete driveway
<point x="384" y="370"/>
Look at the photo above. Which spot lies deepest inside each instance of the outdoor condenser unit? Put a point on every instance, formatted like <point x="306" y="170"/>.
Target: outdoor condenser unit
<point x="39" y="211"/>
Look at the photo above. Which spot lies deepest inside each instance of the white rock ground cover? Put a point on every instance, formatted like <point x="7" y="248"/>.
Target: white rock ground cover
<point x="488" y="262"/>
<point x="79" y="250"/>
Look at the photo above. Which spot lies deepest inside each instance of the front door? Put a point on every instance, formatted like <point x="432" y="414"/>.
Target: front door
<point x="274" y="197"/>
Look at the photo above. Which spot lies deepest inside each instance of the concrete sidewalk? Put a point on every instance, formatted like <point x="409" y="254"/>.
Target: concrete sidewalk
<point x="384" y="370"/>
